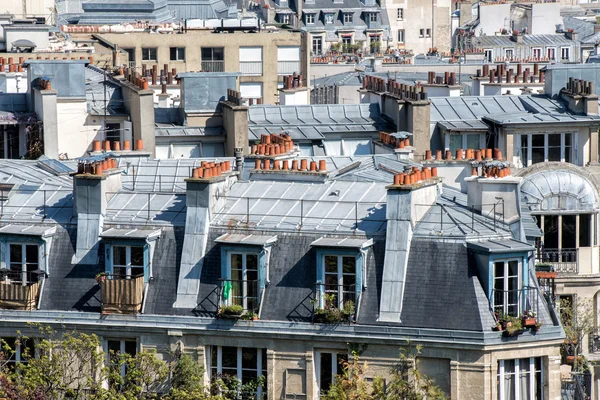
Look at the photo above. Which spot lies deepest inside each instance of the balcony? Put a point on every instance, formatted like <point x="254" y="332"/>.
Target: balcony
<point x="241" y="293"/>
<point x="514" y="302"/>
<point x="251" y="67"/>
<point x="122" y="295"/>
<point x="289" y="67"/>
<point x="16" y="296"/>
<point x="213" y="66"/>
<point x="334" y="303"/>
<point x="564" y="261"/>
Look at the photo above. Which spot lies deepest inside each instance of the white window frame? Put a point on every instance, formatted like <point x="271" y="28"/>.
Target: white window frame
<point x="505" y="279"/>
<point x="285" y="18"/>
<point x="373" y="17"/>
<point x="400" y="14"/>
<point x="244" y="276"/>
<point x="219" y="366"/>
<point x="24" y="280"/>
<point x="333" y="366"/>
<point x="526" y="159"/>
<point x="310" y="19"/>
<point x="329" y="18"/>
<point x="121" y="350"/>
<point x="177" y="58"/>
<point x="509" y="51"/>
<point x="532" y="374"/>
<point x="17" y="350"/>
<point x="551" y="50"/>
<point x="348" y="18"/>
<point x="488" y="55"/>
<point x="566" y="50"/>
<point x="128" y="264"/>
<point x="537" y="50"/>
<point x="403" y="35"/>
<point x="340" y="278"/>
<point x="317" y="39"/>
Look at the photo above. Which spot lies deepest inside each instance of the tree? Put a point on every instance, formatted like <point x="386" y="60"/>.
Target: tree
<point x="405" y="383"/>
<point x="579" y="320"/>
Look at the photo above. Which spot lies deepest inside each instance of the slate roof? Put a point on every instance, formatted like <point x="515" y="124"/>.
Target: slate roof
<point x="315" y="121"/>
<point x="298" y="206"/>
<point x="528" y="40"/>
<point x="94" y="93"/>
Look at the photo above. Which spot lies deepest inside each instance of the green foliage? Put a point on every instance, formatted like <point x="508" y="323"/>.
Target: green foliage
<point x="234" y="309"/>
<point x="406" y="381"/>
<point x="331" y="314"/>
<point x="578" y="321"/>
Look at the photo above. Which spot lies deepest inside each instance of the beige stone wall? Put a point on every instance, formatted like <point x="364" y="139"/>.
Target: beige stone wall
<point x="193" y="41"/>
<point x="463" y="374"/>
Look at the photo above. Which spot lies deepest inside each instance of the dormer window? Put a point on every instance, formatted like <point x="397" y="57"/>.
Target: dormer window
<point x="23" y="260"/>
<point x="244" y="270"/>
<point x="507" y="278"/>
<point x="242" y="273"/>
<point x="329" y="18"/>
<point x="372" y="17"/>
<point x="348" y="18"/>
<point x="340" y="272"/>
<point x="284" y="18"/>
<point x="310" y="19"/>
<point x="339" y="279"/>
<point x="128" y="261"/>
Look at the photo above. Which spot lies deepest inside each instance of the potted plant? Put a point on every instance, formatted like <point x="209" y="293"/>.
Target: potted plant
<point x="233" y="311"/>
<point x="101" y="277"/>
<point x="537" y="326"/>
<point x="250" y="316"/>
<point x="513" y="327"/>
<point x="528" y="319"/>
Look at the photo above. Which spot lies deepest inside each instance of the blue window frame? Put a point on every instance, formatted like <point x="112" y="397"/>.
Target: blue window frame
<point x="126" y="259"/>
<point x="21" y="256"/>
<point x="339" y="276"/>
<point x="244" y="267"/>
<point x="508" y="280"/>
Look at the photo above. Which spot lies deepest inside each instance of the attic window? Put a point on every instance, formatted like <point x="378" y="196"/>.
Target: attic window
<point x="475" y="104"/>
<point x="335" y="193"/>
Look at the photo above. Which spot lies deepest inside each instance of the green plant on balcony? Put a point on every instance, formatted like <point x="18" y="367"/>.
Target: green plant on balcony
<point x="528" y="319"/>
<point x="233" y="311"/>
<point x="331" y="314"/>
<point x="544" y="267"/>
<point x="514" y="327"/>
<point x="101" y="277"/>
<point x="249" y="316"/>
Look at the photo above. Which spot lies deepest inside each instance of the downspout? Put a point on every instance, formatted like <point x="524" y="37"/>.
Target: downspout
<point x="364" y="253"/>
<point x="145" y="297"/>
<point x="432" y="23"/>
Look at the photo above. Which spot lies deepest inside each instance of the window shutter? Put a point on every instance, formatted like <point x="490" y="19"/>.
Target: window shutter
<point x="250" y="53"/>
<point x="288" y="53"/>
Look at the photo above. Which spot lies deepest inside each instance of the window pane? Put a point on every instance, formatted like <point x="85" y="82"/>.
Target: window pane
<point x="331" y="264"/>
<point x="119" y="255"/>
<point x="513" y="268"/>
<point x="551" y="231"/>
<point x="130" y="347"/>
<point x="252" y="261"/>
<point x="554" y="154"/>
<point x="349" y="265"/>
<point x="16" y="253"/>
<point x="229" y="357"/>
<point x="249" y="359"/>
<point x="568" y="232"/>
<point x="472" y="141"/>
<point x="554" y="140"/>
<point x="537" y="149"/>
<point x="119" y="271"/>
<point x="585" y="221"/>
<point x="236" y="261"/>
<point x="326" y="374"/>
<point x="31" y="255"/>
<point x="137" y="255"/>
<point x="455" y="143"/>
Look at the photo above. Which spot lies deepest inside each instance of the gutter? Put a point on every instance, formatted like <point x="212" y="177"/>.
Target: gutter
<point x="393" y="335"/>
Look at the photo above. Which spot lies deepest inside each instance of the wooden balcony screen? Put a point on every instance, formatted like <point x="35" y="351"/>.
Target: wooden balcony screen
<point x="15" y="296"/>
<point x="122" y="296"/>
